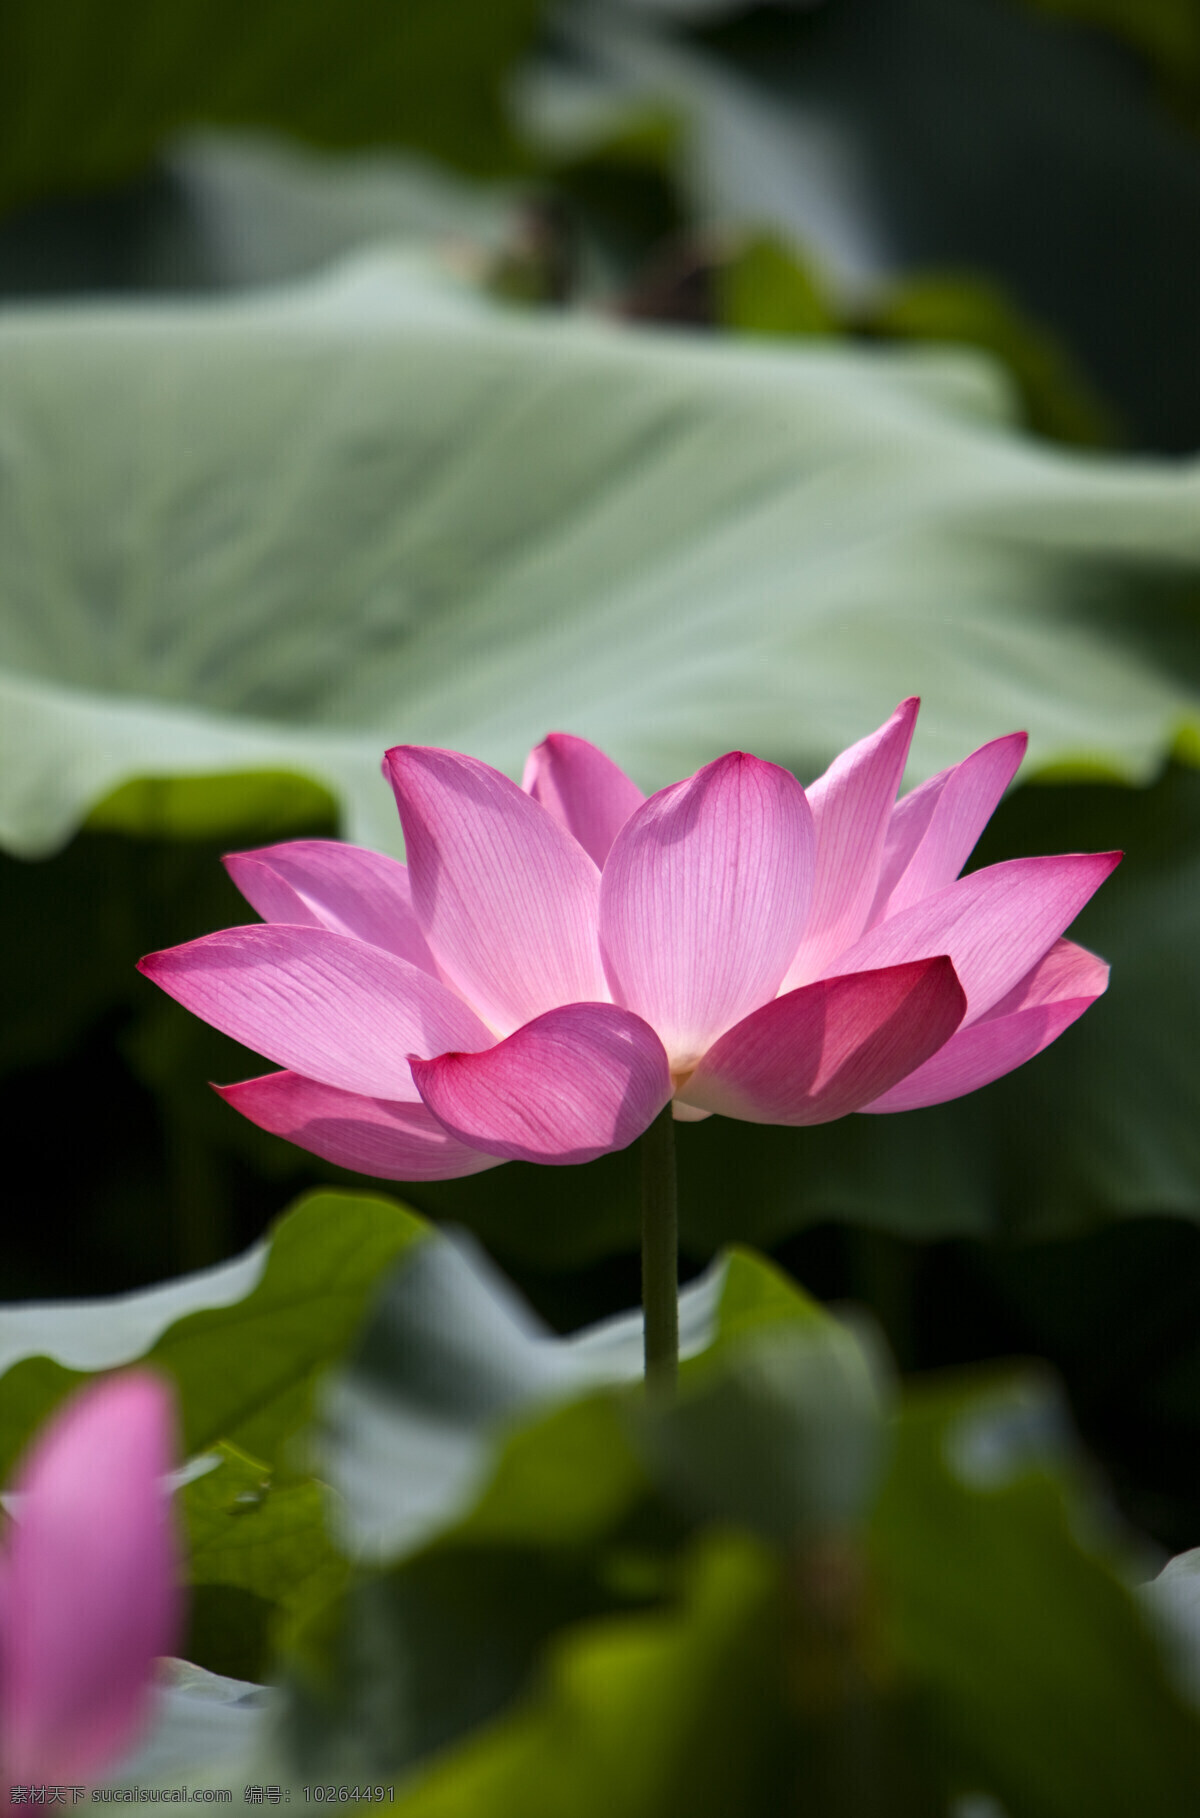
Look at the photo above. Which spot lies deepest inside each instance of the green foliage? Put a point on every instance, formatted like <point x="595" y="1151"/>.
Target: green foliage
<point x="1043" y="1680"/>
<point x="918" y="135"/>
<point x="257" y="804"/>
<point x="246" y="545"/>
<point x="243" y="1344"/>
<point x="781" y="1587"/>
<point x="767" y="287"/>
<point x="362" y="73"/>
<point x="709" y="1606"/>
<point x="781" y="1433"/>
<point x="552" y="1527"/>
<point x="257" y="1556"/>
<point x="642" y="1715"/>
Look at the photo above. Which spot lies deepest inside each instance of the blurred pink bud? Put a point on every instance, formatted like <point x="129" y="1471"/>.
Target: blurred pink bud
<point x="89" y="1594"/>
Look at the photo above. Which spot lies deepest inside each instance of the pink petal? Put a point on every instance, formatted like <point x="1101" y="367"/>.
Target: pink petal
<point x="851" y="804"/>
<point x="583" y="789"/>
<point x="506" y="899"/>
<point x="91" y="1582"/>
<point x="1033" y="1014"/>
<point x="325" y="884"/>
<point x="571" y="1085"/>
<point x="703" y="900"/>
<point x="383" y="1137"/>
<point x="826" y="1049"/>
<point x="995" y="924"/>
<point x="329" y="1007"/>
<point x="934" y="829"/>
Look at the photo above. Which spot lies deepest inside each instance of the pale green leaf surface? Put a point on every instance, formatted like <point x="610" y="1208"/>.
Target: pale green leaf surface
<point x="259" y="209"/>
<point x="1173" y="1602"/>
<point x="205" y="1730"/>
<point x="287" y="531"/>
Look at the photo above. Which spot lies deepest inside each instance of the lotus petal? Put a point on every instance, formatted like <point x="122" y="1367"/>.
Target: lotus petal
<point x="1034" y="1014"/>
<point x="505" y="897"/>
<point x="329" y="884"/>
<point x="583" y="789"/>
<point x="387" y="1138"/>
<point x="569" y="1086"/>
<point x="703" y="900"/>
<point x="824" y="1049"/>
<point x="332" y="1008"/>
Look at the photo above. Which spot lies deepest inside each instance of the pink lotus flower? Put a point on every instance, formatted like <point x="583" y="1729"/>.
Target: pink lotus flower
<point x="557" y="962"/>
<point x="88" y="1596"/>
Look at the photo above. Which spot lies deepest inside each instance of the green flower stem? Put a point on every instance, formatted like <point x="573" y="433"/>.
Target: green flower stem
<point x="660" y="1253"/>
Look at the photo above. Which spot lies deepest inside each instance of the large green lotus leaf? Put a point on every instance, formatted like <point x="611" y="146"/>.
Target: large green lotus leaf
<point x="561" y="1523"/>
<point x="1046" y="1684"/>
<point x="88" y="93"/>
<point x="451" y="1355"/>
<point x="242" y="1343"/>
<point x="415" y="1655"/>
<point x="474" y="1461"/>
<point x="285" y="531"/>
<point x="891" y="136"/>
<point x="225" y="210"/>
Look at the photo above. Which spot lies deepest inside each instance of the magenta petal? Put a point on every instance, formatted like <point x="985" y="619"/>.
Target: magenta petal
<point x="704" y="897"/>
<point x="934" y="829"/>
<point x="325" y="884"/>
<point x="826" y="1049"/>
<point x="583" y="789"/>
<point x="1033" y="1015"/>
<point x="995" y="924"/>
<point x="571" y="1085"/>
<point x="383" y="1137"/>
<point x="91" y="1597"/>
<point x="852" y="805"/>
<point x="506" y="899"/>
<point x="331" y="1008"/>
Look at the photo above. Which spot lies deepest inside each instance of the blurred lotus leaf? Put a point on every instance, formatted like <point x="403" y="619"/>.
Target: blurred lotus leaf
<point x="284" y="531"/>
